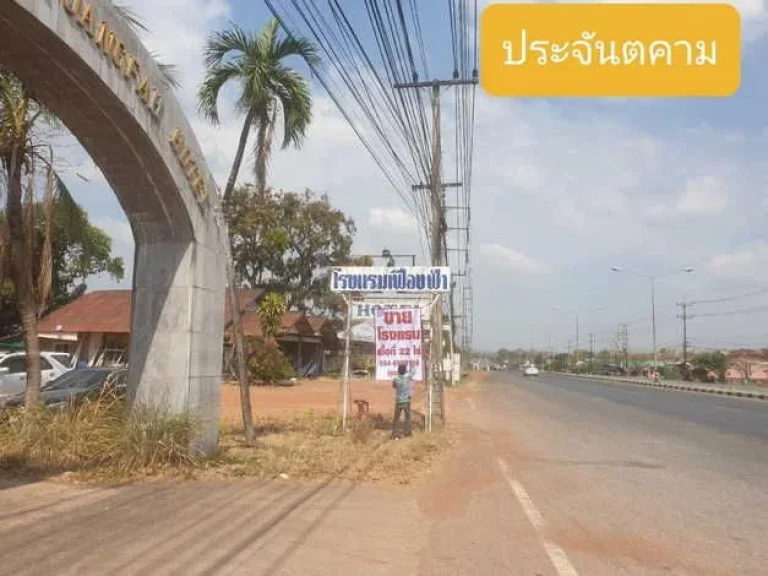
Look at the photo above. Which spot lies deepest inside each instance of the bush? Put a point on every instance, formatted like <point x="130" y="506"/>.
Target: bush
<point x="267" y="363"/>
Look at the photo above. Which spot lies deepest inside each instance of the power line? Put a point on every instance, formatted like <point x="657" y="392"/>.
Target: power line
<point x="753" y="310"/>
<point x="729" y="298"/>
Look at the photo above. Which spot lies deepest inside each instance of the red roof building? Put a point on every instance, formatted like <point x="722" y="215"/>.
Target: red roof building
<point x="96" y="329"/>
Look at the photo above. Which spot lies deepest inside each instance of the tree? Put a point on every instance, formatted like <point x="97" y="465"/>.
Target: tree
<point x="267" y="86"/>
<point x="271" y="312"/>
<point x="268" y="89"/>
<point x="287" y="241"/>
<point x="320" y="237"/>
<point x="78" y="250"/>
<point x="707" y="362"/>
<point x="266" y="361"/>
<point x="22" y="160"/>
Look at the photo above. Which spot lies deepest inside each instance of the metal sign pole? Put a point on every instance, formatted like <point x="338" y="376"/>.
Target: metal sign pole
<point x="345" y="376"/>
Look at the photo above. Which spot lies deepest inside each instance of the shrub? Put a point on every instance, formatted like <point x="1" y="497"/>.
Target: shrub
<point x="267" y="363"/>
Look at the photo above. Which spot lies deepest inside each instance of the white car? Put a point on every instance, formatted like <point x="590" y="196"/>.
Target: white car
<point x="530" y="371"/>
<point x="13" y="370"/>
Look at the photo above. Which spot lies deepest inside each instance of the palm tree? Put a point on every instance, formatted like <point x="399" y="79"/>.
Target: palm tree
<point x="22" y="159"/>
<point x="268" y="88"/>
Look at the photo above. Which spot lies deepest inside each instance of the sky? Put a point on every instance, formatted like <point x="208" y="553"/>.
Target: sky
<point x="563" y="190"/>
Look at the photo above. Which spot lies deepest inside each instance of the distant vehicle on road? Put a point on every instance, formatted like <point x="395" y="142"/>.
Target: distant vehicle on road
<point x="13" y="370"/>
<point x="76" y="386"/>
<point x="530" y="370"/>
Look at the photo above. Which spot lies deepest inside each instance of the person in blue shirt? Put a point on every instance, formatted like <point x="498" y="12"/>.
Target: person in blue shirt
<point x="403" y="385"/>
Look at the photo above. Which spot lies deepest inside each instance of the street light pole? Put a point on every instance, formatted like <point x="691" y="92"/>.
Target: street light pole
<point x="652" y="279"/>
<point x="653" y="321"/>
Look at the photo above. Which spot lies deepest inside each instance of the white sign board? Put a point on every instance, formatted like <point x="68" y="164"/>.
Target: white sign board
<point x="366" y="310"/>
<point x="398" y="341"/>
<point x="372" y="279"/>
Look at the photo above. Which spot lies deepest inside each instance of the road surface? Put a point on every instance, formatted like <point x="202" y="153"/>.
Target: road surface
<point x="637" y="480"/>
<point x="550" y="477"/>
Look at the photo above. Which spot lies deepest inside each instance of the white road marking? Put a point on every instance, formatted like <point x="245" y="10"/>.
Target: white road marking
<point x="471" y="403"/>
<point x="556" y="554"/>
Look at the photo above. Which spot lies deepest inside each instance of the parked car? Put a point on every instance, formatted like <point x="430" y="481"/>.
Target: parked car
<point x="13" y="370"/>
<point x="75" y="386"/>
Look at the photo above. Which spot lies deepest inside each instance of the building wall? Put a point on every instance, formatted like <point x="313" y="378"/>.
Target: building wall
<point x="758" y="372"/>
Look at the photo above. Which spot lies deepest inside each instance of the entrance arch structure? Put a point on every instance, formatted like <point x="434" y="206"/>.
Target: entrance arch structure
<point x="86" y="64"/>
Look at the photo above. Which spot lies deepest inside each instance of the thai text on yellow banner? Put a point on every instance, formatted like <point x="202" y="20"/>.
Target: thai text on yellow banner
<point x="614" y="50"/>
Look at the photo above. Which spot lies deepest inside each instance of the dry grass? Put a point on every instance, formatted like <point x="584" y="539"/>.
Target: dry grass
<point x="312" y="446"/>
<point x="100" y="440"/>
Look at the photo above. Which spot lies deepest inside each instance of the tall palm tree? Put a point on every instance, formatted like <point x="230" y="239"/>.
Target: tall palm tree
<point x="23" y="160"/>
<point x="268" y="88"/>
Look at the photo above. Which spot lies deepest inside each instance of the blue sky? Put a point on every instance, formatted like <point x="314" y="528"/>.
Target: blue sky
<point x="563" y="190"/>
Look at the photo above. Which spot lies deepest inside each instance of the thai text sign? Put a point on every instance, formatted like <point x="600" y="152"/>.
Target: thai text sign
<point x="368" y="310"/>
<point x="380" y="279"/>
<point x="611" y="50"/>
<point x="108" y="42"/>
<point x="398" y="341"/>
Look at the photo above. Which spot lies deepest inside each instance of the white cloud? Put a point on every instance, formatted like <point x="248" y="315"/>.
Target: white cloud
<point x="393" y="219"/>
<point x="705" y="196"/>
<point x="750" y="262"/>
<point x="510" y="259"/>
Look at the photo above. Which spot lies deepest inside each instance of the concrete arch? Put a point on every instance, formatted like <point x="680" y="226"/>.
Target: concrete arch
<point x="91" y="70"/>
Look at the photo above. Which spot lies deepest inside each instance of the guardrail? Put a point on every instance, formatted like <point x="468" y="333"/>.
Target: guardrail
<point x="720" y="390"/>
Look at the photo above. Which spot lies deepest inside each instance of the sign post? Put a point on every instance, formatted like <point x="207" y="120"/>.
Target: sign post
<point x="345" y="384"/>
<point x="397" y="306"/>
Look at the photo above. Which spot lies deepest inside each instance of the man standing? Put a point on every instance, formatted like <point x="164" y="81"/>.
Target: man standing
<point x="403" y="385"/>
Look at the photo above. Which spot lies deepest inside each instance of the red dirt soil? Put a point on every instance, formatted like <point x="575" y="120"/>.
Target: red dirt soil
<point x="321" y="395"/>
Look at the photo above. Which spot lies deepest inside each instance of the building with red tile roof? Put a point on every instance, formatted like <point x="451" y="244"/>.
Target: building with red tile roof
<point x="96" y="328"/>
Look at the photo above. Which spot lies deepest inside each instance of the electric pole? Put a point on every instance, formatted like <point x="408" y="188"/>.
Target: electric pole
<point x="577" y="340"/>
<point x="438" y="230"/>
<point x="591" y="349"/>
<point x="622" y="343"/>
<point x="684" y="317"/>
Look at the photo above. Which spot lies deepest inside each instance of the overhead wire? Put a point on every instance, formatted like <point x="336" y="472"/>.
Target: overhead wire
<point x="366" y="80"/>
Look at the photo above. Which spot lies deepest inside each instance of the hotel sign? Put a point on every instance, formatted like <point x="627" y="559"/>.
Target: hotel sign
<point x="112" y="47"/>
<point x="399" y="280"/>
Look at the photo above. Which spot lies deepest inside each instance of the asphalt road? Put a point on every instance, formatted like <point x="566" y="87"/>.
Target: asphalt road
<point x="726" y="414"/>
<point x="632" y="480"/>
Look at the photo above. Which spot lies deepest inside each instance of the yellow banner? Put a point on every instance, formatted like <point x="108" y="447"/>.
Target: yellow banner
<point x="614" y="50"/>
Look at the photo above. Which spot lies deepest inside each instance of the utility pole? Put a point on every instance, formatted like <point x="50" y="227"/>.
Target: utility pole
<point x="576" y="354"/>
<point x="591" y="349"/>
<point x="438" y="229"/>
<point x="684" y="317"/>
<point x="653" y="308"/>
<point x="622" y="343"/>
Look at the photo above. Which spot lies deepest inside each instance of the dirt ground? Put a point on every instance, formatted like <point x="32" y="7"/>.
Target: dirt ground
<point x="321" y="395"/>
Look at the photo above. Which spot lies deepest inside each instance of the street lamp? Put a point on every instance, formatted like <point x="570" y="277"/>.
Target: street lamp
<point x="652" y="279"/>
<point x="391" y="257"/>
